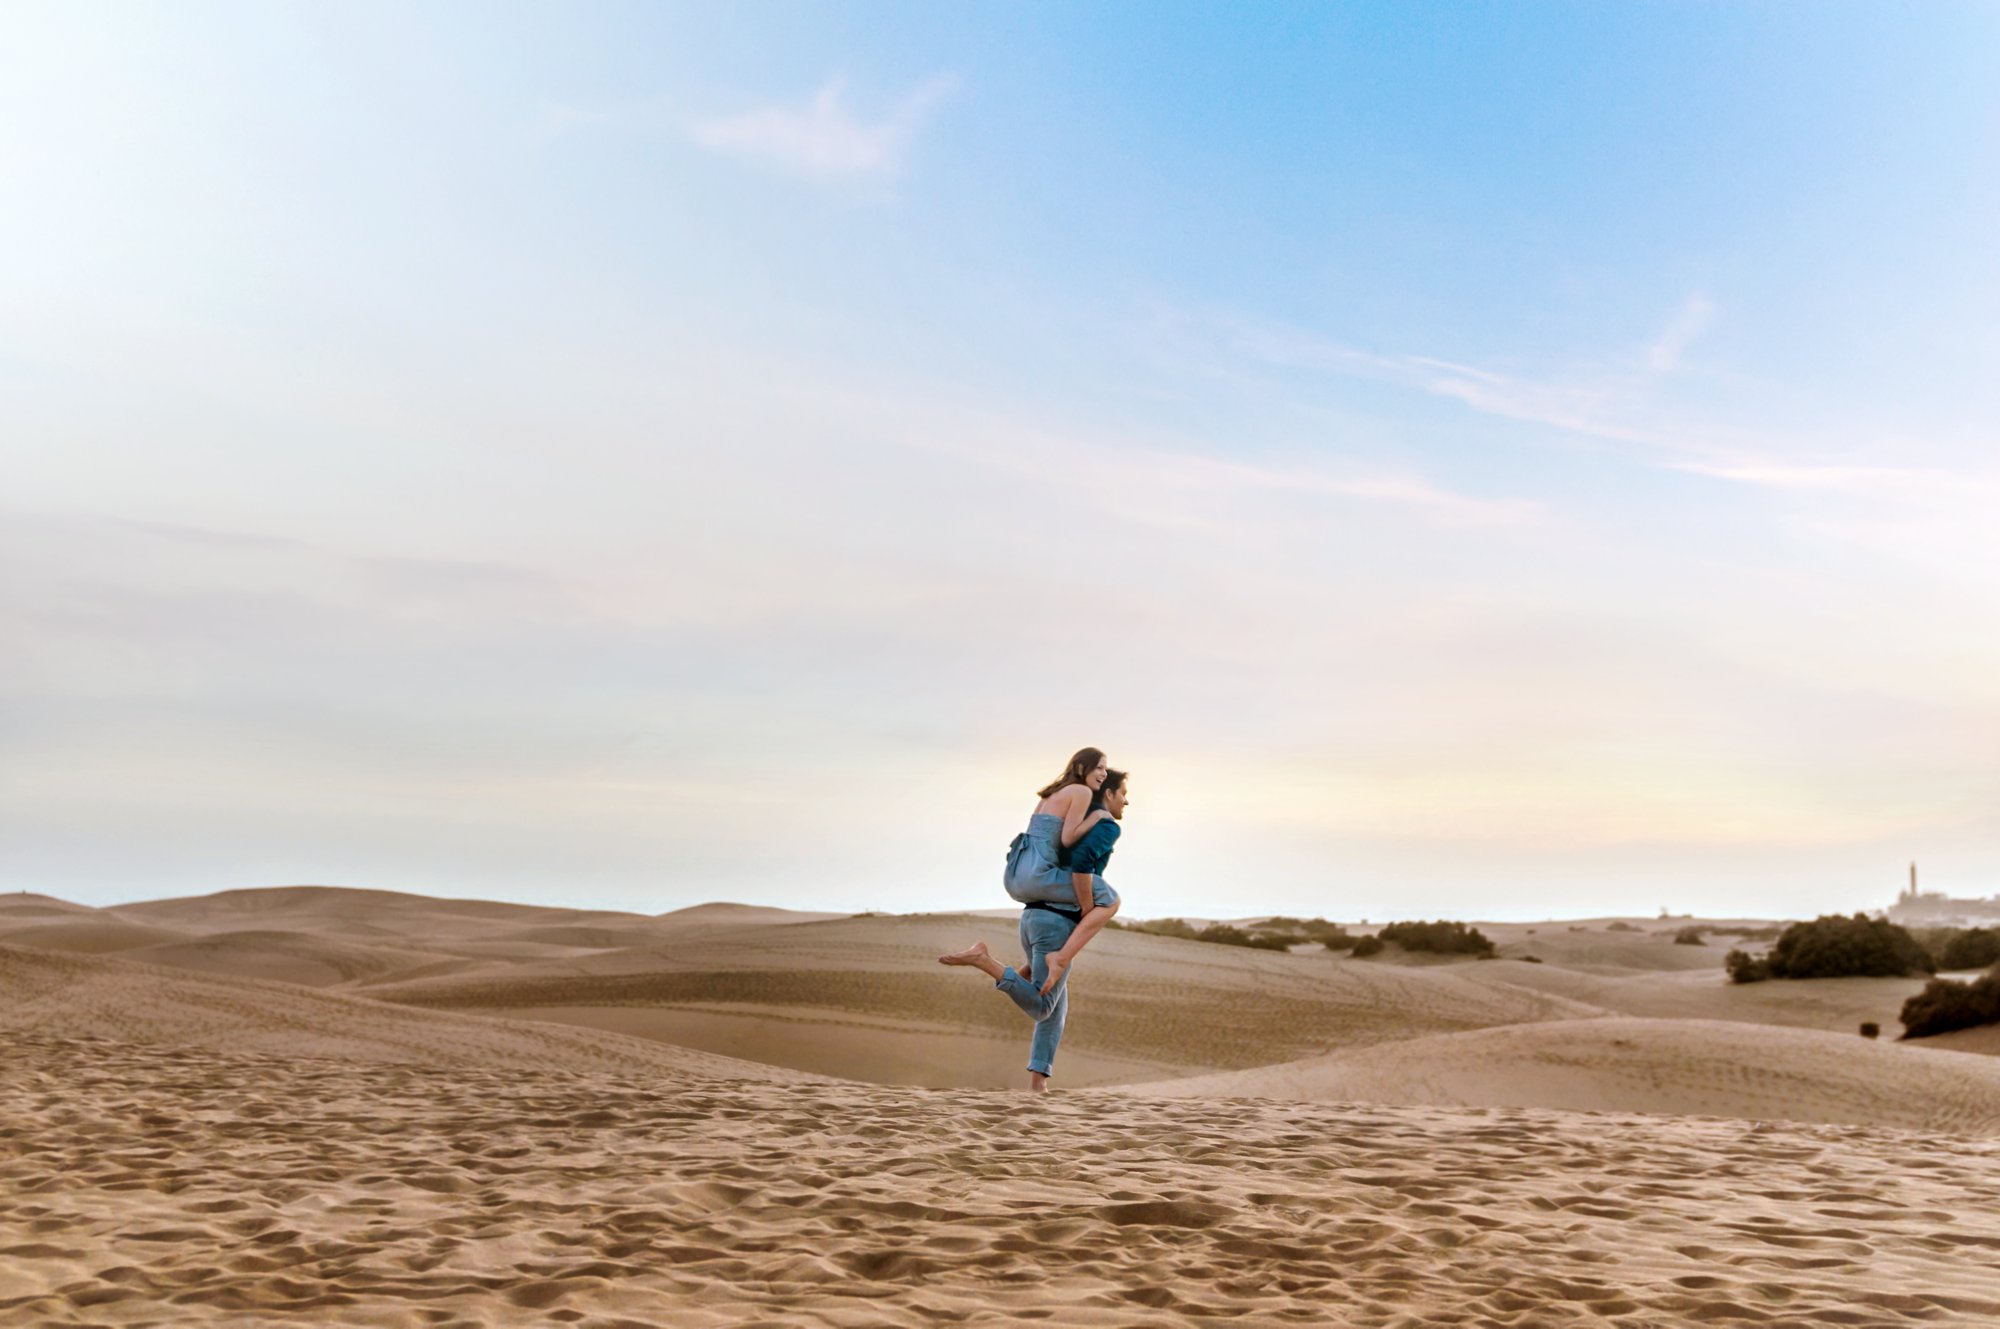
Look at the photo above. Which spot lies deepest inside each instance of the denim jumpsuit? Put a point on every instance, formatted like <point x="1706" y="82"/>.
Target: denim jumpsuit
<point x="1037" y="875"/>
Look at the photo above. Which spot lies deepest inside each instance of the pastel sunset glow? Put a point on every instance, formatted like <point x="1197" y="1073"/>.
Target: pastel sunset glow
<point x="1486" y="462"/>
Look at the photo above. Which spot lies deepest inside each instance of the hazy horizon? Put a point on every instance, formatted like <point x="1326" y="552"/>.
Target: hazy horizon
<point x="1465" y="462"/>
<point x="1004" y="910"/>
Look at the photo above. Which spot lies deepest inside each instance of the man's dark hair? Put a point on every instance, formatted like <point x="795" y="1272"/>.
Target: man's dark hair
<point x="1113" y="782"/>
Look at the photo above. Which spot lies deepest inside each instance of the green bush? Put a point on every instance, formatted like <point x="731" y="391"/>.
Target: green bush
<point x="1744" y="967"/>
<point x="1621" y="926"/>
<point x="1946" y="1004"/>
<point x="1531" y="959"/>
<point x="1689" y="937"/>
<point x="1367" y="946"/>
<point x="1833" y="946"/>
<point x="1440" y="938"/>
<point x="1869" y="1029"/>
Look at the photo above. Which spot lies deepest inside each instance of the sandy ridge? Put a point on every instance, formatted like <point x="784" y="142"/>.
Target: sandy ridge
<point x="112" y="997"/>
<point x="1680" y="1067"/>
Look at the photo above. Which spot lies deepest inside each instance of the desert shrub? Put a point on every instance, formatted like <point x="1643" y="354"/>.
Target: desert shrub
<point x="1935" y="940"/>
<point x="1367" y="946"/>
<point x="1869" y="1029"/>
<point x="1224" y="934"/>
<point x="1689" y="937"/>
<point x="1744" y="967"/>
<point x="1946" y="1004"/>
<point x="1834" y="946"/>
<point x="1221" y="934"/>
<point x="1531" y="959"/>
<point x="1970" y="948"/>
<point x="1621" y="926"/>
<point x="1441" y="938"/>
<point x="1159" y="927"/>
<point x="1331" y="935"/>
<point x="1747" y="933"/>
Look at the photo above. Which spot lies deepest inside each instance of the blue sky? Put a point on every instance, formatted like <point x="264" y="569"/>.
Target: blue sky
<point x="1473" y="460"/>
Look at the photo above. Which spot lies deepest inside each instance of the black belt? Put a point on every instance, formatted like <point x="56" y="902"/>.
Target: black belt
<point x="1073" y="915"/>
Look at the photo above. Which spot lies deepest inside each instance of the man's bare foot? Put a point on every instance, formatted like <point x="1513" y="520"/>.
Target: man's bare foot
<point x="1038" y="1083"/>
<point x="1058" y="965"/>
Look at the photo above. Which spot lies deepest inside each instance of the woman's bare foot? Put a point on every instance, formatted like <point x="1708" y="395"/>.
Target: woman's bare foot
<point x="1058" y="966"/>
<point x="976" y="956"/>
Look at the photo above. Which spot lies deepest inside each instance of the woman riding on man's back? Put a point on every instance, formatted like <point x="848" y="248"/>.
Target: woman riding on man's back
<point x="1053" y="868"/>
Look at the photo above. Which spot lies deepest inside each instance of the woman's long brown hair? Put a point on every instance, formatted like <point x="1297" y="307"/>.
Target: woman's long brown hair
<point x="1082" y="764"/>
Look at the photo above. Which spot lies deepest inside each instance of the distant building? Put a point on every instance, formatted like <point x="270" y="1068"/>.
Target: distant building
<point x="1915" y="908"/>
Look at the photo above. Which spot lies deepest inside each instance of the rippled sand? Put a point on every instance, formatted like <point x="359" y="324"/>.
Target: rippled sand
<point x="149" y="1185"/>
<point x="319" y="1106"/>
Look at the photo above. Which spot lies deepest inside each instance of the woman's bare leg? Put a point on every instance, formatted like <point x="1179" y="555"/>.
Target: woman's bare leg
<point x="1092" y="924"/>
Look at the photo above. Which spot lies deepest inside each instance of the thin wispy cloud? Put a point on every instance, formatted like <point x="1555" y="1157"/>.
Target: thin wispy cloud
<point x="826" y="138"/>
<point x="1576" y="405"/>
<point x="1618" y="408"/>
<point x="1156" y="483"/>
<point x="1664" y="356"/>
<point x="1819" y="478"/>
<point x="1409" y="490"/>
<point x="1834" y="487"/>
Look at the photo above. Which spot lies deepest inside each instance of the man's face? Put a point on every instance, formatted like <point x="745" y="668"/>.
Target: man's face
<point x="1115" y="801"/>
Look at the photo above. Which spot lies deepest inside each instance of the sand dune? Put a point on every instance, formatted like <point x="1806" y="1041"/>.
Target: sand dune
<point x="1682" y="1067"/>
<point x="327" y="908"/>
<point x="1840" y="1005"/>
<point x="863" y="997"/>
<point x="203" y="1185"/>
<point x="1593" y="947"/>
<point x="729" y="914"/>
<point x="29" y="904"/>
<point x="469" y="1113"/>
<point x="91" y="934"/>
<point x="874" y="1048"/>
<point x="1983" y="1041"/>
<point x="1155" y="1006"/>
<point x="292" y="957"/>
<point x="110" y="997"/>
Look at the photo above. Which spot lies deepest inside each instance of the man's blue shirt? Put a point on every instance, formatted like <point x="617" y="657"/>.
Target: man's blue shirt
<point x="1093" y="851"/>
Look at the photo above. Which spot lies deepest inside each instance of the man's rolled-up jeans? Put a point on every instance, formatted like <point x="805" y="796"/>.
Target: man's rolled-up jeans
<point x="1043" y="933"/>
